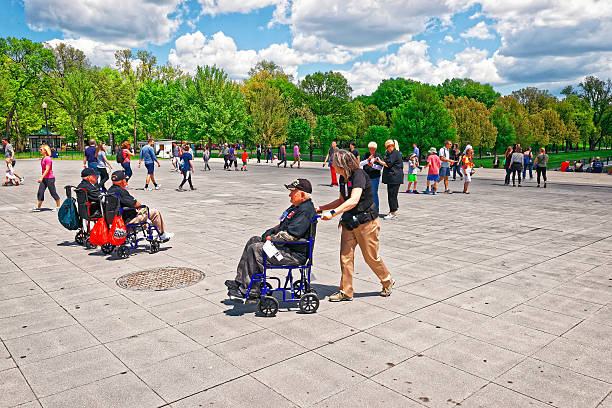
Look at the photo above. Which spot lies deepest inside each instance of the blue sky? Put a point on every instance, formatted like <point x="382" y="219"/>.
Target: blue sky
<point x="509" y="45"/>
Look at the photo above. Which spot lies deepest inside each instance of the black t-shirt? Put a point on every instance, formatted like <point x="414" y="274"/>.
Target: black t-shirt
<point x="125" y="200"/>
<point x="359" y="179"/>
<point x="355" y="152"/>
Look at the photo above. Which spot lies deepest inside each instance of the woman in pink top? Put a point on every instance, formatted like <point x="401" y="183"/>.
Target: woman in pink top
<point x="47" y="180"/>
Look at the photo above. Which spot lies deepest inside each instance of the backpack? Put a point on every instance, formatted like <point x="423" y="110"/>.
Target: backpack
<point x="67" y="214"/>
<point x="119" y="156"/>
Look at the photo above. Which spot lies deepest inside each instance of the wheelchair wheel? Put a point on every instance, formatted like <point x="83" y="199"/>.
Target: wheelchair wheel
<point x="79" y="238"/>
<point x="298" y="290"/>
<point x="268" y="306"/>
<point x="123" y="252"/>
<point x="309" y="303"/>
<point x="107" y="249"/>
<point x="88" y="244"/>
<point x="154" y="247"/>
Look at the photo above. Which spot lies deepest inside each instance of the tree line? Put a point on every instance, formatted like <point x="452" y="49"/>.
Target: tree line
<point x="138" y="98"/>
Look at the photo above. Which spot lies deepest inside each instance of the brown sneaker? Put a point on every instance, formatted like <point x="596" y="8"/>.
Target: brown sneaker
<point x="339" y="297"/>
<point x="387" y="289"/>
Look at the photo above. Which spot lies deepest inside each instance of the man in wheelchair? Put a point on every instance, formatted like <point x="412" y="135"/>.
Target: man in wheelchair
<point x="88" y="183"/>
<point x="132" y="214"/>
<point x="294" y="225"/>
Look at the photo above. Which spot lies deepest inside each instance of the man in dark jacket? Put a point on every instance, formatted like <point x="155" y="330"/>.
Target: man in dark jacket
<point x="294" y="225"/>
<point x="89" y="180"/>
<point x="393" y="176"/>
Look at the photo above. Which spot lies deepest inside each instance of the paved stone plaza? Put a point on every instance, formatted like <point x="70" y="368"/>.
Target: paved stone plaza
<point x="502" y="300"/>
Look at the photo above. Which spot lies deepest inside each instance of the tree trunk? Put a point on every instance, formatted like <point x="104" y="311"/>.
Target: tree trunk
<point x="9" y="124"/>
<point x="81" y="138"/>
<point x="19" y="143"/>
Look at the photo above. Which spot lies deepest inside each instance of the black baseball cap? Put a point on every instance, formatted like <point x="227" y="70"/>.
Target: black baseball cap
<point x="300" y="184"/>
<point x="87" y="172"/>
<point x="118" y="175"/>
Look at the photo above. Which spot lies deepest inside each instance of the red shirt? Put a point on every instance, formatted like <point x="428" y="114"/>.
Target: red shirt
<point x="245" y="156"/>
<point x="564" y="166"/>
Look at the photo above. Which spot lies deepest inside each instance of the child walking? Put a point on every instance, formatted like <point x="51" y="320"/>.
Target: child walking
<point x="433" y="171"/>
<point x="245" y="159"/>
<point x="11" y="177"/>
<point x="467" y="165"/>
<point x="413" y="166"/>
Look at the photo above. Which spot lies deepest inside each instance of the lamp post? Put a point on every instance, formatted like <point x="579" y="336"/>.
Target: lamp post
<point x="44" y="106"/>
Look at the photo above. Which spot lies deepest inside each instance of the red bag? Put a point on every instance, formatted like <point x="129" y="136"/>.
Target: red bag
<point x="118" y="232"/>
<point x="99" y="233"/>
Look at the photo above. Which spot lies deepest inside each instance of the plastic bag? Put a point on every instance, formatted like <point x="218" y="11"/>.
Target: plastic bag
<point x="118" y="232"/>
<point x="99" y="233"/>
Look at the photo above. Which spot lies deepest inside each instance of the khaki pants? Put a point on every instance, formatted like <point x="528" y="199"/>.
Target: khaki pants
<point x="154" y="216"/>
<point x="366" y="236"/>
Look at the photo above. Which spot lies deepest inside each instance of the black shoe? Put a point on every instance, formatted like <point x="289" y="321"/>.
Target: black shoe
<point x="232" y="284"/>
<point x="235" y="292"/>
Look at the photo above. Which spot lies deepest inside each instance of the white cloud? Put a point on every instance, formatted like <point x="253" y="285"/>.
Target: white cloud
<point x="412" y="61"/>
<point x="480" y="31"/>
<point x="127" y="22"/>
<point x="98" y="53"/>
<point x="214" y="7"/>
<point x="448" y="38"/>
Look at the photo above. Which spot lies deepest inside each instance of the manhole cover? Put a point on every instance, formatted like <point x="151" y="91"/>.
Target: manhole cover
<point x="160" y="279"/>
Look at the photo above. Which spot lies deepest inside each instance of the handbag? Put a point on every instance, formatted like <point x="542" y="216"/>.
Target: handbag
<point x="99" y="233"/>
<point x="118" y="231"/>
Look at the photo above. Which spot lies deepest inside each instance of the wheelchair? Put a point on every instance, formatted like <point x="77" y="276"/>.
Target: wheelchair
<point x="87" y="216"/>
<point x="299" y="291"/>
<point x="149" y="231"/>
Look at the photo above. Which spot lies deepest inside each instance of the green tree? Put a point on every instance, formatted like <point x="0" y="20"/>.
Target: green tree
<point x="299" y="131"/>
<point x="534" y="99"/>
<point x="554" y="127"/>
<point x="393" y="92"/>
<point x="483" y="93"/>
<point x="422" y="119"/>
<point x="327" y="94"/>
<point x="519" y="117"/>
<point x="160" y="108"/>
<point x="24" y="65"/>
<point x="378" y="134"/>
<point x="270" y="115"/>
<point x="598" y="94"/>
<point x="325" y="131"/>
<point x="471" y="121"/>
<point x="505" y="129"/>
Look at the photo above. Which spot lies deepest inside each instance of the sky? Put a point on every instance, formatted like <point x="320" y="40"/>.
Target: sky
<point x="509" y="44"/>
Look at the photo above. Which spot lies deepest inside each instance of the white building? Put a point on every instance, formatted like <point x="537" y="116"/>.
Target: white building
<point x="163" y="147"/>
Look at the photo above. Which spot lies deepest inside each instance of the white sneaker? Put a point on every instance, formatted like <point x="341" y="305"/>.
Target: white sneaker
<point x="21" y="180"/>
<point x="157" y="187"/>
<point x="148" y="189"/>
<point x="55" y="209"/>
<point x="165" y="237"/>
<point x="36" y="209"/>
<point x="390" y="216"/>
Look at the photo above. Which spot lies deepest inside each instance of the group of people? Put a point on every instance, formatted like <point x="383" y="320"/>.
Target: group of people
<point x="282" y="155"/>
<point x="517" y="162"/>
<point x="11" y="177"/>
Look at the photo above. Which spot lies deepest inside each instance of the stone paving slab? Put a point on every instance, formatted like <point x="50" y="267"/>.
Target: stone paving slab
<point x="502" y="299"/>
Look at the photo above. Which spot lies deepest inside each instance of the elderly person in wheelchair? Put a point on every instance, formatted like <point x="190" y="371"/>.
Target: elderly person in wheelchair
<point x="294" y="225"/>
<point x="89" y="181"/>
<point x="132" y="213"/>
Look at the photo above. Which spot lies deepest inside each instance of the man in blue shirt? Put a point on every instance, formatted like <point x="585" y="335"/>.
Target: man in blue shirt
<point x="147" y="153"/>
<point x="90" y="159"/>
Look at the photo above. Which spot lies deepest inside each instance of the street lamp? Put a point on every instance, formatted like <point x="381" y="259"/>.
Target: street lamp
<point x="44" y="106"/>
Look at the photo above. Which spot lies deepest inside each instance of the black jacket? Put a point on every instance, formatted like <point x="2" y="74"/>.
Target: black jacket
<point x="296" y="222"/>
<point x="93" y="196"/>
<point x="394" y="172"/>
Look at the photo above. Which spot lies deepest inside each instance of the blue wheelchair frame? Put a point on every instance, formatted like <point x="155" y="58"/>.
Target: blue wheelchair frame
<point x="305" y="272"/>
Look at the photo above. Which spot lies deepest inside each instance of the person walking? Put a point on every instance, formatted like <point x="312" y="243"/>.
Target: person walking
<point x="206" y="158"/>
<point x="269" y="154"/>
<point x="445" y="163"/>
<point x="282" y="155"/>
<point x="90" y="159"/>
<point x="186" y="167"/>
<point x="245" y="159"/>
<point x="360" y="225"/>
<point x="413" y="165"/>
<point x="258" y="153"/>
<point x="507" y="159"/>
<point x="373" y="168"/>
<point x="147" y="153"/>
<point x="433" y="171"/>
<point x="296" y="156"/>
<point x="353" y="150"/>
<point x="455" y="156"/>
<point x="541" y="161"/>
<point x="516" y="165"/>
<point x="225" y="153"/>
<point x="47" y="180"/>
<point x="103" y="165"/>
<point x="232" y="158"/>
<point x="393" y="177"/>
<point x="329" y="160"/>
<point x="527" y="163"/>
<point x="176" y="154"/>
<point x="467" y="165"/>
<point x="127" y="152"/>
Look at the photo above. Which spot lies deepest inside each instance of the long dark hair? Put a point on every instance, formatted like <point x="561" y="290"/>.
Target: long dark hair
<point x="99" y="148"/>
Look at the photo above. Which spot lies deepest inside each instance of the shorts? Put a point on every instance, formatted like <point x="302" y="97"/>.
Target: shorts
<point x="244" y="163"/>
<point x="412" y="177"/>
<point x="433" y="177"/>
<point x="150" y="167"/>
<point x="444" y="172"/>
<point x="468" y="174"/>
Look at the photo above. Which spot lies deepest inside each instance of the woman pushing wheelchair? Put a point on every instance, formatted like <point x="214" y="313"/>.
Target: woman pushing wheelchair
<point x="360" y="225"/>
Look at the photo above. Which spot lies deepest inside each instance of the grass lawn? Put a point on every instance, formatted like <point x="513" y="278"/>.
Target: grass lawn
<point x="555" y="159"/>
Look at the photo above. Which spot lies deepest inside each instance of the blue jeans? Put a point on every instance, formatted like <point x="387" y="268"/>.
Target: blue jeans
<point x="94" y="165"/>
<point x="128" y="169"/>
<point x="530" y="167"/>
<point x="456" y="169"/>
<point x="375" y="183"/>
